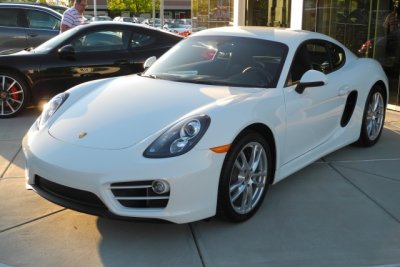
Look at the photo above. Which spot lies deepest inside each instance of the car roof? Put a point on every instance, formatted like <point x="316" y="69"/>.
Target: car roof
<point x="100" y="24"/>
<point x="39" y="4"/>
<point x="283" y="35"/>
<point x="31" y="6"/>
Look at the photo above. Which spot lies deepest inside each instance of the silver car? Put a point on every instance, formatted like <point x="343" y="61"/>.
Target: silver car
<point x="23" y="26"/>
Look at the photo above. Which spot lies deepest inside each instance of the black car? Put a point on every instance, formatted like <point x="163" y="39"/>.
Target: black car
<point x="23" y="25"/>
<point x="59" y="9"/>
<point x="85" y="53"/>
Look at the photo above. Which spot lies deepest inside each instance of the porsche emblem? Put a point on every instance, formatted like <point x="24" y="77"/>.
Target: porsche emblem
<point x="82" y="134"/>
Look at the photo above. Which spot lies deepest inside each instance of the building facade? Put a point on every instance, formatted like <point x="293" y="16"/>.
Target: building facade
<point x="173" y="9"/>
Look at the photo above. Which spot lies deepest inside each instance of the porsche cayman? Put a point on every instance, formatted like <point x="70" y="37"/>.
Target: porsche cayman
<point x="207" y="128"/>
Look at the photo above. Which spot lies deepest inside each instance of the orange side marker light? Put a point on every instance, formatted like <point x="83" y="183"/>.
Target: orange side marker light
<point x="221" y="149"/>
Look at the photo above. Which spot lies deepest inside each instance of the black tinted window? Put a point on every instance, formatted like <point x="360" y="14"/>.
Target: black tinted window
<point x="140" y="40"/>
<point x="102" y="41"/>
<point x="8" y="17"/>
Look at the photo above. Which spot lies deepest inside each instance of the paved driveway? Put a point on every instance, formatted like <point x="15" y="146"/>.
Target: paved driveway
<point x="343" y="210"/>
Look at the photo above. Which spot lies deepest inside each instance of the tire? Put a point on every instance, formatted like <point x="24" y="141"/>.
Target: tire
<point x="244" y="177"/>
<point x="14" y="94"/>
<point x="373" y="117"/>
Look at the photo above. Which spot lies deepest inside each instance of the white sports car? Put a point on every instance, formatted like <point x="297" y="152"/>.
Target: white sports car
<point x="207" y="128"/>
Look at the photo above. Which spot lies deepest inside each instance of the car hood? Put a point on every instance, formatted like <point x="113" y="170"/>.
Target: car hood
<point x="14" y="51"/>
<point x="122" y="112"/>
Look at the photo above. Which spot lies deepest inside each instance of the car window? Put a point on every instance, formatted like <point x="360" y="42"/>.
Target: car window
<point x="315" y="55"/>
<point x="338" y="56"/>
<point x="140" y="40"/>
<point x="8" y="17"/>
<point x="102" y="41"/>
<point x="300" y="64"/>
<point x="233" y="61"/>
<point x="42" y="20"/>
<point x="319" y="57"/>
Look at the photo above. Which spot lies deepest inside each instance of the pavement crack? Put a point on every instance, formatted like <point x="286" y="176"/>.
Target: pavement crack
<point x="197" y="244"/>
<point x="364" y="193"/>
<point x="10" y="162"/>
<point x="30" y="221"/>
<point x="371" y="173"/>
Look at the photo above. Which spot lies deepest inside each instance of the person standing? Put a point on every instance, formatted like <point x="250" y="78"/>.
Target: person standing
<point x="73" y="16"/>
<point x="391" y="26"/>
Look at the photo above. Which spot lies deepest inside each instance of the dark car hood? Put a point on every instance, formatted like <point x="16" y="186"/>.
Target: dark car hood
<point x="15" y="51"/>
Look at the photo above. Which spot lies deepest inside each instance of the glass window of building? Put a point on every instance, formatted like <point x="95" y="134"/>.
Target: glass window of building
<point x="272" y="13"/>
<point x="369" y="28"/>
<point x="211" y="13"/>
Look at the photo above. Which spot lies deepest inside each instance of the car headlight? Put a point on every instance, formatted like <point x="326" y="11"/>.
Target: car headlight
<point x="179" y="138"/>
<point x="50" y="108"/>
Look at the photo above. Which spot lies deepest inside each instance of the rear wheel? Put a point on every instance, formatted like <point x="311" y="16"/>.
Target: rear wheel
<point x="13" y="94"/>
<point x="245" y="177"/>
<point x="373" y="118"/>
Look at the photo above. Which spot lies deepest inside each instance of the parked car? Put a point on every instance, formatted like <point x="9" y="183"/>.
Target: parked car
<point x="58" y="8"/>
<point x="84" y="53"/>
<point x="207" y="128"/>
<point x="101" y="18"/>
<point x="23" y="25"/>
<point x="178" y="28"/>
<point x="156" y="23"/>
<point x="125" y="19"/>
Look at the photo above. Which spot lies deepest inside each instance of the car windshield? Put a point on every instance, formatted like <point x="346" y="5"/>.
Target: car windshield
<point x="55" y="41"/>
<point x="222" y="60"/>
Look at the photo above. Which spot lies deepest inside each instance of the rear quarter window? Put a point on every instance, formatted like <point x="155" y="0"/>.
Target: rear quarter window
<point x="338" y="56"/>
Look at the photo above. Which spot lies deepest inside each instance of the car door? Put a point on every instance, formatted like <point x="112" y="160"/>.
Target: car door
<point x="313" y="116"/>
<point x="12" y="29"/>
<point x="101" y="52"/>
<point x="41" y="27"/>
<point x="94" y="54"/>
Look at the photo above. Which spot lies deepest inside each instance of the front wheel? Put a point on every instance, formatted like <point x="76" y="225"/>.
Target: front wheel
<point x="13" y="94"/>
<point x="373" y="118"/>
<point x="245" y="177"/>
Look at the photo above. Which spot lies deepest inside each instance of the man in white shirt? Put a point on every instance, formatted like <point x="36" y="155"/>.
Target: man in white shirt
<point x="73" y="16"/>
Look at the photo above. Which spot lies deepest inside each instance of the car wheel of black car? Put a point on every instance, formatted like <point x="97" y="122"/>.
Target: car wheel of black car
<point x="14" y="94"/>
<point x="245" y="177"/>
<point x="373" y="118"/>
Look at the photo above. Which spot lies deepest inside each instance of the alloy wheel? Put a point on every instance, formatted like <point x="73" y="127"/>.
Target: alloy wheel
<point x="248" y="178"/>
<point x="375" y="115"/>
<point x="12" y="96"/>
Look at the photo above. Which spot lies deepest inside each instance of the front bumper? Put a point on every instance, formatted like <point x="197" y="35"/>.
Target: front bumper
<point x="82" y="178"/>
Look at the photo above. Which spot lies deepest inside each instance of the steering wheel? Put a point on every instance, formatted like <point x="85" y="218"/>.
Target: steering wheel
<point x="264" y="76"/>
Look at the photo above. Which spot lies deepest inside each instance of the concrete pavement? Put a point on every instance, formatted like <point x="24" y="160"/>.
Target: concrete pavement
<point x="343" y="210"/>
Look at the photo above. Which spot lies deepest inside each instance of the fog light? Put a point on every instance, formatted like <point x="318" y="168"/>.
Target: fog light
<point x="160" y="186"/>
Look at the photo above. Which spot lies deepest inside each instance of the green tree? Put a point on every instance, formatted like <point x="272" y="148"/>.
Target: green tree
<point x="133" y="6"/>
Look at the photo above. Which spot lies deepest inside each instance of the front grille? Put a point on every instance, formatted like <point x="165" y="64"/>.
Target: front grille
<point x="138" y="195"/>
<point x="69" y="194"/>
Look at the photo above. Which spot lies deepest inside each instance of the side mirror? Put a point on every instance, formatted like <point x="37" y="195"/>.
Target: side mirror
<point x="311" y="78"/>
<point x="150" y="61"/>
<point x="67" y="52"/>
